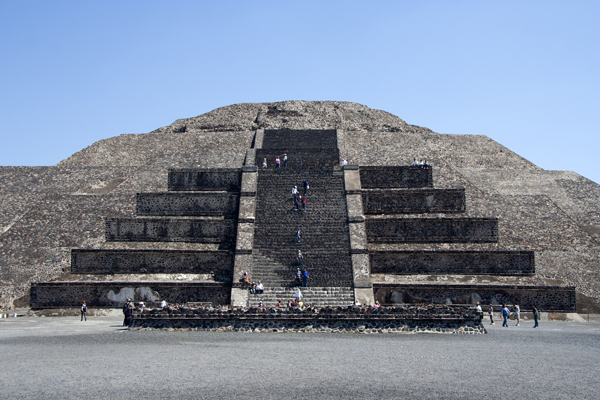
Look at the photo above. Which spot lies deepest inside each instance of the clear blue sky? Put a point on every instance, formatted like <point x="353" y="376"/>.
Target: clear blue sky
<point x="525" y="73"/>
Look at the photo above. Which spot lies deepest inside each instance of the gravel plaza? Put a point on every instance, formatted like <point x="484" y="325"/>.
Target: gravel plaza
<point x="64" y="358"/>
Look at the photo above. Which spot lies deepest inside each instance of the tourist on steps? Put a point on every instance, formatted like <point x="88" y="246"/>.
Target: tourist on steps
<point x="298" y="295"/>
<point x="298" y="236"/>
<point x="305" y="278"/>
<point x="284" y="160"/>
<point x="264" y="164"/>
<point x="277" y="162"/>
<point x="299" y="258"/>
<point x="298" y="277"/>
<point x="306" y="187"/>
<point x="304" y="203"/>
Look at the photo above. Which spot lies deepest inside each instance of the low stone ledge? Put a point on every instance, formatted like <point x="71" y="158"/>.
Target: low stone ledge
<point x="170" y="230"/>
<point x="329" y="319"/>
<point x="547" y="298"/>
<point x="187" y="204"/>
<point x="114" y="294"/>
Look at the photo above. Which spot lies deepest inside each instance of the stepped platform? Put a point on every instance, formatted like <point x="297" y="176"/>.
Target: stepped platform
<point x="102" y="261"/>
<point x="457" y="320"/>
<point x="453" y="262"/>
<point x="547" y="298"/>
<point x="432" y="230"/>
<point x="170" y="230"/>
<point x="312" y="296"/>
<point x="187" y="204"/>
<point x="315" y="160"/>
<point x="414" y="201"/>
<point x="114" y="294"/>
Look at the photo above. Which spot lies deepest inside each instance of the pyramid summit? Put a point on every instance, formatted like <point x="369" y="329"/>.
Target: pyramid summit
<point x="181" y="212"/>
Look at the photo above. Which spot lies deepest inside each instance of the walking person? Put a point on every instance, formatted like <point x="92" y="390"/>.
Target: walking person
<point x="298" y="295"/>
<point x="284" y="160"/>
<point x="298" y="236"/>
<point x="128" y="311"/>
<point x="306" y="187"/>
<point x="491" y="314"/>
<point x="298" y="277"/>
<point x="305" y="278"/>
<point x="83" y="312"/>
<point x="517" y="313"/>
<point x="264" y="163"/>
<point x="304" y="204"/>
<point x="536" y="316"/>
<point x="505" y="312"/>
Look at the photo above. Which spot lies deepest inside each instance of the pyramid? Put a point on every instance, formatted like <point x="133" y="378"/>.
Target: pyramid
<point x="181" y="212"/>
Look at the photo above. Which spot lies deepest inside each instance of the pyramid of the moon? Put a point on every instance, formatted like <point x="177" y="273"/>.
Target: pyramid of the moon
<point x="182" y="212"/>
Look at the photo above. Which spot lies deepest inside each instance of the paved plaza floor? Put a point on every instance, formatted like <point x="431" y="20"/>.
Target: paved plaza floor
<point x="63" y="358"/>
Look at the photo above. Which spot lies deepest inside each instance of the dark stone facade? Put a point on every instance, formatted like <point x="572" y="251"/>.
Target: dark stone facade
<point x="170" y="230"/>
<point x="101" y="261"/>
<point x="303" y="139"/>
<point x="439" y="319"/>
<point x="395" y="177"/>
<point x="187" y="204"/>
<point x="229" y="179"/>
<point x="431" y="230"/>
<point x="414" y="201"/>
<point x="452" y="262"/>
<point x="114" y="294"/>
<point x="547" y="298"/>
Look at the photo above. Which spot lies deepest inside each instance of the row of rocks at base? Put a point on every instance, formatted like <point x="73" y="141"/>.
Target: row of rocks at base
<point x="365" y="320"/>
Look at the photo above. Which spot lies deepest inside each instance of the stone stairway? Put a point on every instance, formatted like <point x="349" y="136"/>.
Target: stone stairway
<point x="315" y="296"/>
<point x="325" y="243"/>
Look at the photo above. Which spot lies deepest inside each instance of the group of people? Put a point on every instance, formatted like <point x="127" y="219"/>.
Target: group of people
<point x="255" y="287"/>
<point x="277" y="162"/>
<point x="298" y="197"/>
<point x="301" y="276"/>
<point x="505" y="312"/>
<point x="420" y="163"/>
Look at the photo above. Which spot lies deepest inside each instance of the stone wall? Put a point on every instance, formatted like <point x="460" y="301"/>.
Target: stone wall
<point x="432" y="319"/>
<point x="452" y="262"/>
<point x="306" y="160"/>
<point x="187" y="204"/>
<point x="114" y="294"/>
<point x="395" y="177"/>
<point x="547" y="298"/>
<point x="414" y="201"/>
<point x="101" y="261"/>
<point x="229" y="179"/>
<point x="170" y="230"/>
<point x="430" y="230"/>
<point x="299" y="139"/>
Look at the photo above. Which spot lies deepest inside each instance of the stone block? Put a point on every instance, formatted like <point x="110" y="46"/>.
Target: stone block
<point x="432" y="230"/>
<point x="205" y="179"/>
<point x="395" y="177"/>
<point x="187" y="204"/>
<point x="414" y="201"/>
<point x="170" y="230"/>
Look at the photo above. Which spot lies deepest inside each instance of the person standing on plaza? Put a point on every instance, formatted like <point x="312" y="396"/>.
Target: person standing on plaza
<point x="536" y="316"/>
<point x="517" y="313"/>
<point x="491" y="314"/>
<point x="298" y="277"/>
<point x="305" y="278"/>
<point x="128" y="311"/>
<point x="83" y="312"/>
<point x="505" y="312"/>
